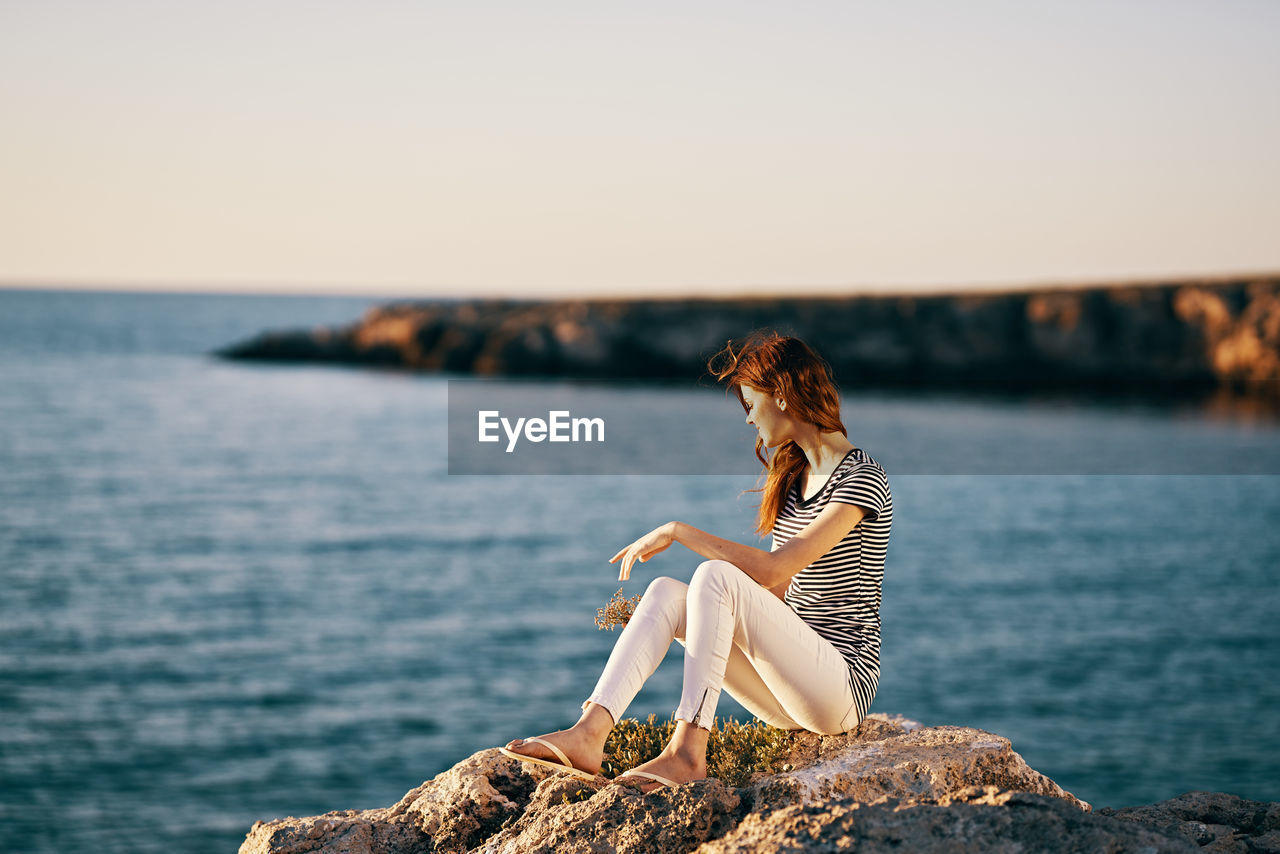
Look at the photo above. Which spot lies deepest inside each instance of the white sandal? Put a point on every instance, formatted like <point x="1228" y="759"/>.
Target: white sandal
<point x="563" y="765"/>
<point x="663" y="780"/>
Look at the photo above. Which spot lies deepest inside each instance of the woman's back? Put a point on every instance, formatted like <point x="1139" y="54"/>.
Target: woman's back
<point x="839" y="594"/>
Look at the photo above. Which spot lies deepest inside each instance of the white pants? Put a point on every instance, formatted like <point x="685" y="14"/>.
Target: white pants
<point x="737" y="635"/>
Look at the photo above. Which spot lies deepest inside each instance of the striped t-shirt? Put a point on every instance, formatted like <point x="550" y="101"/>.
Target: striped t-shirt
<point x="839" y="594"/>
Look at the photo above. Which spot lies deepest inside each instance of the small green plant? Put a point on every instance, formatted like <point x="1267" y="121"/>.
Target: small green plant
<point x="579" y="795"/>
<point x="617" y="611"/>
<point x="735" y="750"/>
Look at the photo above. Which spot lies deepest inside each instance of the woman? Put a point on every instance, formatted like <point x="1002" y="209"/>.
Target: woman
<point x="792" y="633"/>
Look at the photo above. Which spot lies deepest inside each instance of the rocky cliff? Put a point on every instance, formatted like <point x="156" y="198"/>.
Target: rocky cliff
<point x="890" y="785"/>
<point x="1195" y="334"/>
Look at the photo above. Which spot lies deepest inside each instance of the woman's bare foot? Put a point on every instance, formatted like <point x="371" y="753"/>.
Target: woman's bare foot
<point x="583" y="742"/>
<point x="583" y="750"/>
<point x="676" y="766"/>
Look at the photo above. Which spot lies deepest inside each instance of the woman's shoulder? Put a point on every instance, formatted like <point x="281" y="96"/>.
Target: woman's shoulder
<point x="862" y="473"/>
<point x="861" y="462"/>
<point x="862" y="455"/>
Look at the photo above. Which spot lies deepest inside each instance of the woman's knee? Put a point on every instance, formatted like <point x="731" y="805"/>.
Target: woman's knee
<point x="715" y="577"/>
<point x="665" y="589"/>
<point x="664" y="601"/>
<point x="714" y="571"/>
<point x="666" y="595"/>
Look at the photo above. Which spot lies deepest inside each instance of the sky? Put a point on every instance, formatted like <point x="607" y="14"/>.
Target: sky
<point x="643" y="148"/>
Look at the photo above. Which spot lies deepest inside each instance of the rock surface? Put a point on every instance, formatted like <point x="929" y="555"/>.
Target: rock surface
<point x="1194" y="334"/>
<point x="926" y="764"/>
<point x="455" y="811"/>
<point x="1215" y="821"/>
<point x="977" y="820"/>
<point x="888" y="785"/>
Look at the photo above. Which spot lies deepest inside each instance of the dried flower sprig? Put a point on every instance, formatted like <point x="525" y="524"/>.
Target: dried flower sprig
<point x="617" y="611"/>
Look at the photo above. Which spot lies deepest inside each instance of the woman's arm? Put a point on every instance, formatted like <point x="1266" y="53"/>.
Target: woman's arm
<point x="770" y="569"/>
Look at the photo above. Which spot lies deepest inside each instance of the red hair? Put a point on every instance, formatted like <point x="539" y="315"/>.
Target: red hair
<point x="785" y="368"/>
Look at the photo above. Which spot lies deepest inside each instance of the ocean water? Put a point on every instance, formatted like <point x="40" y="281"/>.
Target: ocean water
<point x="235" y="591"/>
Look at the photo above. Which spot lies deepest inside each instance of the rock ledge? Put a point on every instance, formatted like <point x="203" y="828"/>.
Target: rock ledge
<point x="891" y="784"/>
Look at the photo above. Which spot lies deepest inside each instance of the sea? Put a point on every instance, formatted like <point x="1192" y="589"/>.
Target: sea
<point x="233" y="591"/>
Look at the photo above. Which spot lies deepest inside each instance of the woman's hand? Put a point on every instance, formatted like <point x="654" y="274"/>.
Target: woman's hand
<point x="644" y="548"/>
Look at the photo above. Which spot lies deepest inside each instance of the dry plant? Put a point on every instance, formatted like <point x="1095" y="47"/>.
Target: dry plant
<point x="617" y="612"/>
<point x="735" y="751"/>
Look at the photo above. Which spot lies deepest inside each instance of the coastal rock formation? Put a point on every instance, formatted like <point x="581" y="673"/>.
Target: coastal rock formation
<point x="926" y="764"/>
<point x="888" y="785"/>
<point x="1214" y="821"/>
<point x="982" y="819"/>
<point x="455" y="811"/>
<point x="1175" y="336"/>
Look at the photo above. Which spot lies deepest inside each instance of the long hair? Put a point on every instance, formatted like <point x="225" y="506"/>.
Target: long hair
<point x="787" y="368"/>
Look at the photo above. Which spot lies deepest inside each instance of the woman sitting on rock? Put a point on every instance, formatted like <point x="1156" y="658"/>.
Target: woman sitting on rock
<point x="792" y="633"/>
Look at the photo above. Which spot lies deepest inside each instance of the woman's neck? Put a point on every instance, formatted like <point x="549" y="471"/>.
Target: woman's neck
<point x="824" y="451"/>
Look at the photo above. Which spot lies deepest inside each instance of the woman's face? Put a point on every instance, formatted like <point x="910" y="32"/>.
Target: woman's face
<point x="768" y="415"/>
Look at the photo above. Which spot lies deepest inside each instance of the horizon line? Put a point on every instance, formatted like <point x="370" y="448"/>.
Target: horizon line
<point x="799" y="291"/>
